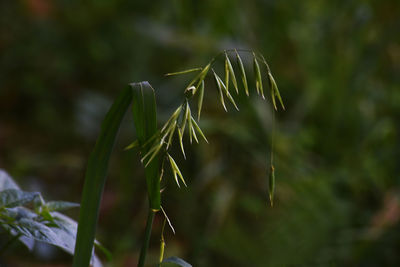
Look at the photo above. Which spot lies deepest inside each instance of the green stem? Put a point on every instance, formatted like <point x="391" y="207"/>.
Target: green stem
<point x="147" y="234"/>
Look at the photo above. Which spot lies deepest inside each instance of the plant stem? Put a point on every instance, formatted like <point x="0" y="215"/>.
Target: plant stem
<point x="147" y="234"/>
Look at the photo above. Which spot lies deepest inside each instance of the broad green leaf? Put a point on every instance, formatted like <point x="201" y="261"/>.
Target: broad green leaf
<point x="60" y="205"/>
<point x="145" y="120"/>
<point x="13" y="197"/>
<point x="197" y="128"/>
<point x="200" y="99"/>
<point x="221" y="95"/>
<point x="228" y="65"/>
<point x="242" y="73"/>
<point x="177" y="261"/>
<point x="183" y="72"/>
<point x="257" y="73"/>
<point x="95" y="177"/>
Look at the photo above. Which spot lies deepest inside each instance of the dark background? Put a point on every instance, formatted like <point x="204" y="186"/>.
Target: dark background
<point x="337" y="148"/>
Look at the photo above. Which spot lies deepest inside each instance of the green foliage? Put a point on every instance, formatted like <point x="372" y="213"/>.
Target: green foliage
<point x="42" y="223"/>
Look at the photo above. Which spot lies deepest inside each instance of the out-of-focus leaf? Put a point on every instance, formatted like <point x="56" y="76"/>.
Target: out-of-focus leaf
<point x="132" y="145"/>
<point x="13" y="197"/>
<point x="60" y="205"/>
<point x="177" y="261"/>
<point x="6" y="182"/>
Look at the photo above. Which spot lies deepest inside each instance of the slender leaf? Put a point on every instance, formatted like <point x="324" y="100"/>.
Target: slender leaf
<point x="145" y="120"/>
<point x="95" y="178"/>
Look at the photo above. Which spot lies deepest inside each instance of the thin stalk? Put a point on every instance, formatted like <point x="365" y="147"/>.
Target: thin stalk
<point x="147" y="234"/>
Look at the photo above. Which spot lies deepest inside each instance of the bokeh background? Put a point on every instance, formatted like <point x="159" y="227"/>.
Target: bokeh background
<point x="337" y="148"/>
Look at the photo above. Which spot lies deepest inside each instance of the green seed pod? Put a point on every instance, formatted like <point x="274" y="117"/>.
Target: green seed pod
<point x="271" y="183"/>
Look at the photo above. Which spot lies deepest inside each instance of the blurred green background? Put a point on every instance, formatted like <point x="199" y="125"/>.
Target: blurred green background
<point x="337" y="150"/>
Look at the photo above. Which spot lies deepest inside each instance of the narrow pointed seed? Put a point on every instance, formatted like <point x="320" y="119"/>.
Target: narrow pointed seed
<point x="157" y="149"/>
<point x="228" y="95"/>
<point x="169" y="222"/>
<point x="271" y="184"/>
<point x="181" y="142"/>
<point x="174" y="116"/>
<point x="242" y="73"/>
<point x="198" y="129"/>
<point x="184" y="117"/>
<point x="200" y="99"/>
<point x="194" y="134"/>
<point x="189" y="121"/>
<point x="151" y="150"/>
<point x="176" y="169"/>
<point x="221" y="95"/>
<point x="226" y="72"/>
<point x="201" y="75"/>
<point x="274" y="87"/>
<point x="171" y="134"/>
<point x="132" y="145"/>
<point x="257" y="72"/>
<point x="182" y="72"/>
<point x="231" y="73"/>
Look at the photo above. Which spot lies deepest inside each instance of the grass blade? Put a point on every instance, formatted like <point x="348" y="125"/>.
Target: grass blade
<point x="95" y="178"/>
<point x="145" y="120"/>
<point x="242" y="73"/>
<point x="257" y="72"/>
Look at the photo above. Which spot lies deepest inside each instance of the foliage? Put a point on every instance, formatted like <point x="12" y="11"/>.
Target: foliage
<point x="41" y="223"/>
